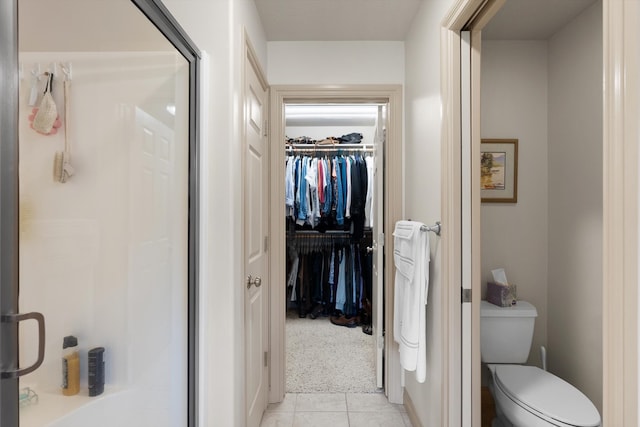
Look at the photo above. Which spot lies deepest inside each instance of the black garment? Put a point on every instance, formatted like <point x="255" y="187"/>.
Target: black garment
<point x="359" y="180"/>
<point x="366" y="259"/>
<point x="352" y="138"/>
<point x="349" y="307"/>
<point x="358" y="274"/>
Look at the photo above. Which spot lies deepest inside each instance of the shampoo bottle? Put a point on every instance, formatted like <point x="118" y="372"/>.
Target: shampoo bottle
<point x="96" y="371"/>
<point x="70" y="366"/>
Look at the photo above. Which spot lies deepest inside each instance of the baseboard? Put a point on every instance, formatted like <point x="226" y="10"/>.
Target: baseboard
<point x="411" y="410"/>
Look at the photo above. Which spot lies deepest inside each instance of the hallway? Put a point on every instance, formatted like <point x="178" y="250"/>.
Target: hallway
<point x="336" y="410"/>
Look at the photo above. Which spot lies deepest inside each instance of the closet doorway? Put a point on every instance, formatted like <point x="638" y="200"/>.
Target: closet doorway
<point x="333" y="153"/>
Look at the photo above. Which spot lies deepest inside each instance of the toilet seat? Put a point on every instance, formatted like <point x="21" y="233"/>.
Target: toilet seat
<point x="546" y="396"/>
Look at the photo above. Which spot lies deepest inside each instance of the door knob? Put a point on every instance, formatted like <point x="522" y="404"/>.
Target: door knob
<point x="371" y="248"/>
<point x="257" y="281"/>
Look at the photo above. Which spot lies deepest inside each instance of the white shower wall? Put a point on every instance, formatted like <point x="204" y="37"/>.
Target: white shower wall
<point x="104" y="256"/>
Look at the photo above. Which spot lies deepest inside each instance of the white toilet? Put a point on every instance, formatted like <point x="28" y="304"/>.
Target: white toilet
<point x="526" y="396"/>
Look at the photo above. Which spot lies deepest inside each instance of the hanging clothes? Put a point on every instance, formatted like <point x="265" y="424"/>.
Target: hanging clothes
<point x="326" y="276"/>
<point x="328" y="193"/>
<point x="326" y="196"/>
<point x="369" y="202"/>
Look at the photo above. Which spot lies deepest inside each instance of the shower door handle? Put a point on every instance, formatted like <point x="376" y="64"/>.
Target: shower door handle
<point x="15" y="318"/>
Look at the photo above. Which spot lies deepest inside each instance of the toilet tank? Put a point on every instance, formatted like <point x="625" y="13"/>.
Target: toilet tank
<point x="506" y="332"/>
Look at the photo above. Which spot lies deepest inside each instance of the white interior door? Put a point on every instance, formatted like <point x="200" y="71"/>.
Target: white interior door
<point x="256" y="178"/>
<point x="378" y="246"/>
<point x="157" y="222"/>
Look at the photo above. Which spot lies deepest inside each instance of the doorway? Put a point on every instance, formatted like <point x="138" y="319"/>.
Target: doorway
<point x="553" y="112"/>
<point x="388" y="145"/>
<point x="333" y="209"/>
<point x="453" y="107"/>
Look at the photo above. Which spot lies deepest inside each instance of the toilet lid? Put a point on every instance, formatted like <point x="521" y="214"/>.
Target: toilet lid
<point x="547" y="395"/>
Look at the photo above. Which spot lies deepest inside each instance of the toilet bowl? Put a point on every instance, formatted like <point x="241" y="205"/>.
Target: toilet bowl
<point x="527" y="396"/>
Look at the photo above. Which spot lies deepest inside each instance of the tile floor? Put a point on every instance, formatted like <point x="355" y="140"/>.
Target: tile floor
<point x="335" y="410"/>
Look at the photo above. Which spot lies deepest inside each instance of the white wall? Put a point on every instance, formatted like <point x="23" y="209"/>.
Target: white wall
<point x="422" y="183"/>
<point x="575" y="203"/>
<point x="514" y="236"/>
<point x="217" y="28"/>
<point x="368" y="62"/>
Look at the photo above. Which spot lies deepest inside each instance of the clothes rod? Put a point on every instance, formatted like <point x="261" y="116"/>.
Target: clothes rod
<point x="435" y="228"/>
<point x="330" y="147"/>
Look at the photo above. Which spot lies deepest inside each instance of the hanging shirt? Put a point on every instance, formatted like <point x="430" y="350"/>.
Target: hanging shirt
<point x="339" y="192"/>
<point x="297" y="168"/>
<point x="321" y="182"/>
<point x="328" y="195"/>
<point x="369" y="207"/>
<point x="289" y="192"/>
<point x="358" y="196"/>
<point x="304" y="190"/>
<point x="343" y="179"/>
<point x="311" y="177"/>
<point x="341" y="296"/>
<point x="347" y="205"/>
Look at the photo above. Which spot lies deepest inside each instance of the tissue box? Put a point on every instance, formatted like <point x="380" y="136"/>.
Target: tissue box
<point x="501" y="295"/>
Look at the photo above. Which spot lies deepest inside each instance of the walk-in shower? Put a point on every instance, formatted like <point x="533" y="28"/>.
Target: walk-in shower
<point x="106" y="254"/>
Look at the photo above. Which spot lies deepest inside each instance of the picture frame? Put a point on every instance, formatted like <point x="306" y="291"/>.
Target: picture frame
<point x="499" y="170"/>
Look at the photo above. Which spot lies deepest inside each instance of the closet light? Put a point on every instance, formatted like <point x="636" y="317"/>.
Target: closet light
<point x="331" y="114"/>
<point x="331" y="110"/>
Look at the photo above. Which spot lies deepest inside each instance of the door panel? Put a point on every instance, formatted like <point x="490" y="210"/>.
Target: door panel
<point x="256" y="286"/>
<point x="465" y="79"/>
<point x="378" y="246"/>
<point x="104" y="255"/>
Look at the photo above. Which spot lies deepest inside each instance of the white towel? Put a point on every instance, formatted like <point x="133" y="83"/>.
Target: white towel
<point x="411" y="257"/>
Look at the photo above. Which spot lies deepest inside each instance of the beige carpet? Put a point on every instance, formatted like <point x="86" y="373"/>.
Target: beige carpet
<point x="325" y="358"/>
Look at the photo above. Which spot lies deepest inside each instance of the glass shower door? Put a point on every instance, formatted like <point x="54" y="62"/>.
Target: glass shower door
<point x="106" y="225"/>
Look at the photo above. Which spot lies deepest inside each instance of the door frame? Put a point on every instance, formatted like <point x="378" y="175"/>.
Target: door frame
<point x="9" y="214"/>
<point x="621" y="65"/>
<point x="620" y="212"/>
<point x="393" y="209"/>
<point x="461" y="380"/>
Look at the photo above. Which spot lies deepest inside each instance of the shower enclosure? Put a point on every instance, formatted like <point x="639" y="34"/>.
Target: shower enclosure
<point x="107" y="253"/>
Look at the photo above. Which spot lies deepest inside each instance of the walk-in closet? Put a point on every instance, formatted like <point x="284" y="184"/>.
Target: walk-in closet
<point x="332" y="198"/>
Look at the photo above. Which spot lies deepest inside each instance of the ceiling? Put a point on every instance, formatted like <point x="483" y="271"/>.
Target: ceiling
<point x="341" y="20"/>
<point x="86" y="26"/>
<point x="533" y="19"/>
<point x="336" y="20"/>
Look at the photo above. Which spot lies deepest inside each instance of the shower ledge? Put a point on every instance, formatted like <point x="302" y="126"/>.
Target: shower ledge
<point x="55" y="407"/>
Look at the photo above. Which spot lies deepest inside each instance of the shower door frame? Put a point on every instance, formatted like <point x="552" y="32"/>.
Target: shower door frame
<point x="9" y="212"/>
<point x="162" y="19"/>
<point x="160" y="16"/>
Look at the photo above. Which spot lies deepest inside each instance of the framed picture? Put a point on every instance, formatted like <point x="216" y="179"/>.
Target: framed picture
<point x="499" y="171"/>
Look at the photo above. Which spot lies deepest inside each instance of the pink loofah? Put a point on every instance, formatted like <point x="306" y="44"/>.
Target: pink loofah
<point x="45" y="118"/>
<point x="54" y="128"/>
